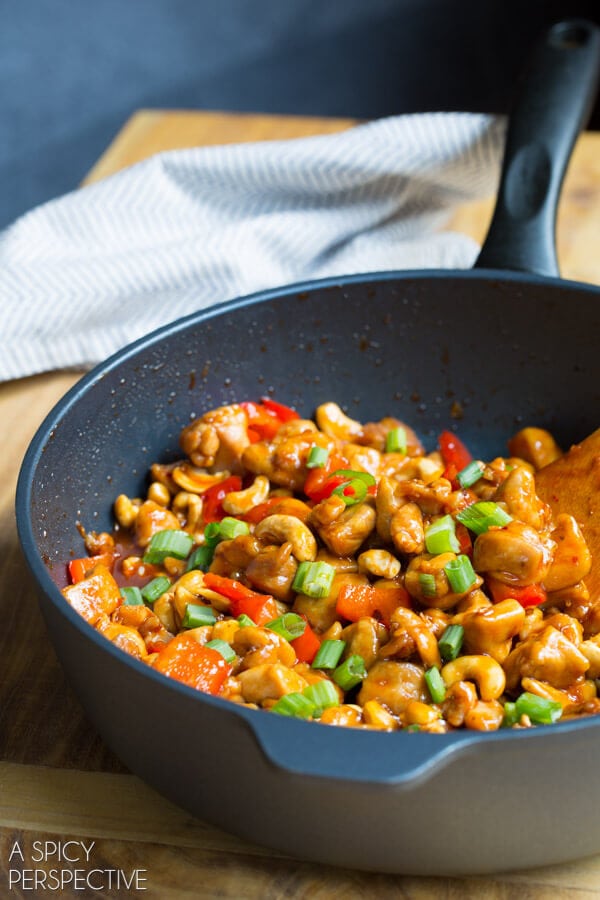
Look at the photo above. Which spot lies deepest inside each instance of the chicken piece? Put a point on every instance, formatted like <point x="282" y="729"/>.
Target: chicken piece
<point x="147" y="623"/>
<point x="571" y="485"/>
<point x="269" y="681"/>
<point x="374" y="435"/>
<point x="547" y="656"/>
<point x="490" y="630"/>
<point x="347" y="715"/>
<point x="152" y="518"/>
<point x="364" y="637"/>
<point x="94" y="596"/>
<point x="394" y="684"/>
<point x="516" y="554"/>
<point x="442" y="597"/>
<point x="232" y="557"/>
<point x="535" y="446"/>
<point x="346" y="534"/>
<point x="123" y="637"/>
<point x="273" y="570"/>
<point x="407" y="530"/>
<point x="517" y="492"/>
<point x="572" y="559"/>
<point x="261" y="645"/>
<point x="217" y="439"/>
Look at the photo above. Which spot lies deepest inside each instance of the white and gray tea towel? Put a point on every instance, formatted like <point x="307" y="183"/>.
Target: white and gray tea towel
<point x="83" y="275"/>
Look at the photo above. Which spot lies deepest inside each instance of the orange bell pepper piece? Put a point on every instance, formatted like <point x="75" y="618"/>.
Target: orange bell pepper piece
<point x="185" y="660"/>
<point x="355" y="601"/>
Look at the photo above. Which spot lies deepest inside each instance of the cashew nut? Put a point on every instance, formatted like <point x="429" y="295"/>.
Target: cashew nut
<point x="278" y="529"/>
<point x="237" y="502"/>
<point x="336" y="423"/>
<point x="483" y="670"/>
<point x="195" y="480"/>
<point x="160" y="493"/>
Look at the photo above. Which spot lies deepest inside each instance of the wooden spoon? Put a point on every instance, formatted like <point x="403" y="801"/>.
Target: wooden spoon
<point x="571" y="484"/>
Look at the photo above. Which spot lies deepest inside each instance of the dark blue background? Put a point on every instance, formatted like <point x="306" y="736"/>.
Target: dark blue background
<point x="72" y="71"/>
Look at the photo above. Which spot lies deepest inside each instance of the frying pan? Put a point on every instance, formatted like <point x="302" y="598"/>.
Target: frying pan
<point x="508" y="341"/>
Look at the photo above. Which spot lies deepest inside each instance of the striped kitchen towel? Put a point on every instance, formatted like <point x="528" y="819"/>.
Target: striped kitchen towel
<point x="87" y="273"/>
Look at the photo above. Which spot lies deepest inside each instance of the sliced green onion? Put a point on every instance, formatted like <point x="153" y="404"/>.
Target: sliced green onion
<point x="289" y="626"/>
<point x="295" y="704"/>
<point x="197" y="615"/>
<point x="352" y="474"/>
<point x="450" y="642"/>
<point x="413" y="727"/>
<point x="510" y="715"/>
<point x="155" y="588"/>
<point x="212" y="534"/>
<point x="440" y="536"/>
<point x="169" y="542"/>
<point x="328" y="654"/>
<point x="351" y="492"/>
<point x="322" y="694"/>
<point x="395" y="440"/>
<point x="230" y="528"/>
<point x="470" y="474"/>
<point x="132" y="596"/>
<point x="539" y="710"/>
<point x="222" y="647"/>
<point x="313" y="579"/>
<point x="350" y="673"/>
<point x="201" y="558"/>
<point x="245" y="621"/>
<point x="460" y="573"/>
<point x="478" y="517"/>
<point x="436" y="685"/>
<point x="427" y="585"/>
<point x="317" y="457"/>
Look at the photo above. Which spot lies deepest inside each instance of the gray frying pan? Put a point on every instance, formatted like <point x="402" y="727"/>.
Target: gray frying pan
<point x="513" y="344"/>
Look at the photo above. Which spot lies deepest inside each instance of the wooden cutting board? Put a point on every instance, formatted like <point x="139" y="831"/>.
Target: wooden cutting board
<point x="58" y="781"/>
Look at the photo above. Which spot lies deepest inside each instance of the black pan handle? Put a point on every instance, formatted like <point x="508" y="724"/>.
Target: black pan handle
<point x="552" y="106"/>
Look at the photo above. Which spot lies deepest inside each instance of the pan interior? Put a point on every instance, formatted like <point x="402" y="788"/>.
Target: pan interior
<point x="480" y="355"/>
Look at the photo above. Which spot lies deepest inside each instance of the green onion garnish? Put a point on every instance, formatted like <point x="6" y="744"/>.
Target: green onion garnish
<point x="436" y="685"/>
<point x="395" y="440"/>
<point x="212" y="534"/>
<point x="352" y="474"/>
<point x="322" y="694"/>
<point x="222" y="647"/>
<point x="510" y="715"/>
<point x="197" y="615"/>
<point x="539" y="710"/>
<point x="427" y="584"/>
<point x="169" y="542"/>
<point x="201" y="558"/>
<point x="313" y="579"/>
<point x="470" y="474"/>
<point x="328" y="654"/>
<point x="440" y="536"/>
<point x="155" y="588"/>
<point x="230" y="528"/>
<point x="132" y="596"/>
<point x="317" y="457"/>
<point x="295" y="704"/>
<point x="245" y="621"/>
<point x="289" y="626"/>
<point x="460" y="573"/>
<point x="480" y="516"/>
<point x="413" y="727"/>
<point x="351" y="492"/>
<point x="450" y="642"/>
<point x="349" y="673"/>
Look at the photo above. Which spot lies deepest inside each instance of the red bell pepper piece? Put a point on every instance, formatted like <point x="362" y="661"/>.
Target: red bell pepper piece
<point x="263" y="424"/>
<point x="80" y="568"/>
<point x="464" y="539"/>
<point x="212" y="499"/>
<point x="185" y="660"/>
<point x="319" y="484"/>
<point x="307" y="645"/>
<point x="355" y="601"/>
<point x="261" y="608"/>
<point x="284" y="413"/>
<point x="454" y="454"/>
<point x="530" y="595"/>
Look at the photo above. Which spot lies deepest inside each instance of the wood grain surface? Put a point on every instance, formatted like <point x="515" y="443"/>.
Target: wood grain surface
<point x="58" y="781"/>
